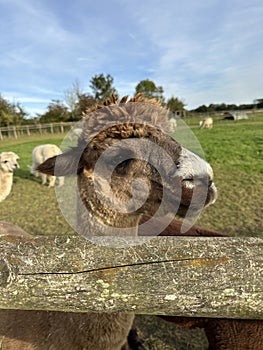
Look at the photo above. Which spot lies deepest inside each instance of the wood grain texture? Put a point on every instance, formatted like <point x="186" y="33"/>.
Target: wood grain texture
<point x="183" y="276"/>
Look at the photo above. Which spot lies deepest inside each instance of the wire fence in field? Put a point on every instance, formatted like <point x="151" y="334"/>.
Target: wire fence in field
<point x="17" y="131"/>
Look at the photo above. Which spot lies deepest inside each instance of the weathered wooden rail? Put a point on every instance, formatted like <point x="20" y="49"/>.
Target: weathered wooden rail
<point x="213" y="277"/>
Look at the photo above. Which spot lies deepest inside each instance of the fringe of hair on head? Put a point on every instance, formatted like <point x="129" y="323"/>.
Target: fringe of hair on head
<point x="114" y="111"/>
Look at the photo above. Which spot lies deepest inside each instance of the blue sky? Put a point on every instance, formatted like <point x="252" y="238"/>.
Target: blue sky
<point x="203" y="52"/>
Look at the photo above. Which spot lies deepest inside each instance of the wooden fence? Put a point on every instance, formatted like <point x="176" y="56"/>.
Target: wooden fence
<point x="27" y="130"/>
<point x="213" y="277"/>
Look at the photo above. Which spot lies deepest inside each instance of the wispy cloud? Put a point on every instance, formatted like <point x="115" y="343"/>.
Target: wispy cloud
<point x="202" y="52"/>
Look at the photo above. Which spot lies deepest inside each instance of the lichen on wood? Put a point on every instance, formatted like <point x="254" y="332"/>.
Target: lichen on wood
<point x="207" y="277"/>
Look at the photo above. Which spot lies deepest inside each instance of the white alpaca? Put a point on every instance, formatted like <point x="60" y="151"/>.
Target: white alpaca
<point x="8" y="163"/>
<point x="206" y="123"/>
<point x="173" y="124"/>
<point x="39" y="155"/>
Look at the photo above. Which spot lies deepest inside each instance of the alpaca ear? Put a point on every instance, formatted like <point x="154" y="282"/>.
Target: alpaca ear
<point x="67" y="163"/>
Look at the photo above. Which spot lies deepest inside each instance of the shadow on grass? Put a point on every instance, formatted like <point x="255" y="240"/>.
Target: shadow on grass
<point x="25" y="174"/>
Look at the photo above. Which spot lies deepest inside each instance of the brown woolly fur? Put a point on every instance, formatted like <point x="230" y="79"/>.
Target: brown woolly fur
<point x="126" y="166"/>
<point x="138" y="109"/>
<point x="113" y="100"/>
<point x="225" y="334"/>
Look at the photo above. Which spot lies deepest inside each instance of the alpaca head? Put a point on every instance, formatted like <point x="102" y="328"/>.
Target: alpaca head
<point x="8" y="162"/>
<point x="128" y="165"/>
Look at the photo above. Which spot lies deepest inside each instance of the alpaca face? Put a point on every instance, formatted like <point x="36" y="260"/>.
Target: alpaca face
<point x="8" y="162"/>
<point x="126" y="165"/>
<point x="130" y="169"/>
<point x="145" y="172"/>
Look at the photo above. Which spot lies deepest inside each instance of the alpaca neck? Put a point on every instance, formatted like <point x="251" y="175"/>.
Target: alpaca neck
<point x="6" y="181"/>
<point x="102" y="223"/>
<point x="97" y="216"/>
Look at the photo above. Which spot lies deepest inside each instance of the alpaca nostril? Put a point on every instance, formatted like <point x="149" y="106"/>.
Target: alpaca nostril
<point x="190" y="179"/>
<point x="188" y="183"/>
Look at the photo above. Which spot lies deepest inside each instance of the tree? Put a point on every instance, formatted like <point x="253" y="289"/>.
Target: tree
<point x="78" y="101"/>
<point x="71" y="96"/>
<point x="56" y="112"/>
<point x="150" y="90"/>
<point x="201" y="109"/>
<point x="102" y="87"/>
<point x="85" y="101"/>
<point x="174" y="104"/>
<point x="259" y="102"/>
<point x="11" y="113"/>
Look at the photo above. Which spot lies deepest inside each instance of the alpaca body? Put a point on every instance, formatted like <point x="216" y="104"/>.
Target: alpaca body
<point x="44" y="330"/>
<point x="225" y="334"/>
<point x="206" y="123"/>
<point x="173" y="124"/>
<point x="6" y="182"/>
<point x="8" y="163"/>
<point x="39" y="155"/>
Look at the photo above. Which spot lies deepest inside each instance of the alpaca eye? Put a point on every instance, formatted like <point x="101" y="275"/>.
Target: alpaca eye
<point x="122" y="167"/>
<point x="5" y="161"/>
<point x="172" y="172"/>
<point x="125" y="162"/>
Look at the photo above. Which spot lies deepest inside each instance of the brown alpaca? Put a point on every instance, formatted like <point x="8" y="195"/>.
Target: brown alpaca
<point x="134" y="133"/>
<point x="225" y="334"/>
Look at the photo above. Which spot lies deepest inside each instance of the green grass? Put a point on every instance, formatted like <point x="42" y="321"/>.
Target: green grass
<point x="30" y="205"/>
<point x="235" y="153"/>
<point x="233" y="150"/>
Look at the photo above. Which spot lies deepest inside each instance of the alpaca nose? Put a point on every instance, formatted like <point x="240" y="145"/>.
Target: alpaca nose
<point x="193" y="168"/>
<point x="211" y="194"/>
<point x="197" y="179"/>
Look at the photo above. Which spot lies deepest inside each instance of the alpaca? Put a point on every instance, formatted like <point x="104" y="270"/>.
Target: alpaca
<point x="173" y="124"/>
<point x="39" y="155"/>
<point x="8" y="163"/>
<point x="125" y="139"/>
<point x="206" y="123"/>
<point x="224" y="334"/>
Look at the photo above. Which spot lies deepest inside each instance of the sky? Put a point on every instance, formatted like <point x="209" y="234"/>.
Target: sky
<point x="201" y="51"/>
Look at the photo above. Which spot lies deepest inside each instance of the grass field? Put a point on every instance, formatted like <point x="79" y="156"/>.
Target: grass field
<point x="233" y="149"/>
<point x="235" y="152"/>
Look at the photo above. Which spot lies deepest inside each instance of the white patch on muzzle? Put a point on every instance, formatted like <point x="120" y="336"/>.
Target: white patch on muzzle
<point x="193" y="168"/>
<point x="196" y="175"/>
